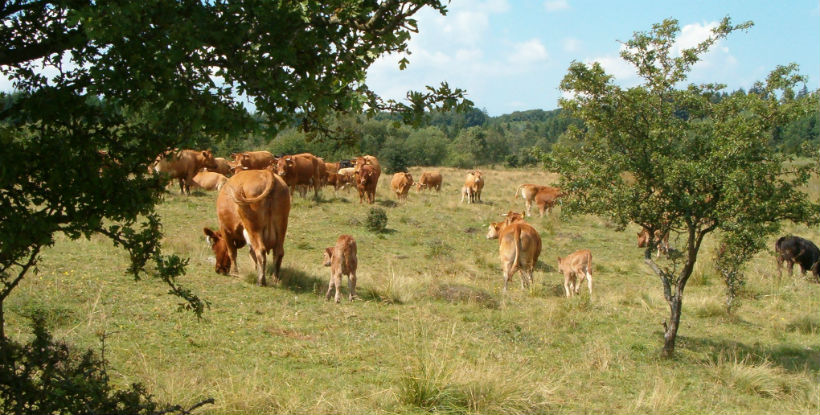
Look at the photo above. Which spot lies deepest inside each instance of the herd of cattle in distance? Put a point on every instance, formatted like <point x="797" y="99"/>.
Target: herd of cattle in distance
<point x="254" y="201"/>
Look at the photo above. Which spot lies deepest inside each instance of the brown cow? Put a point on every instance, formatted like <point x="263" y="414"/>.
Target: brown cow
<point x="546" y="198"/>
<point x="184" y="165"/>
<point x="342" y="261"/>
<point x="210" y="180"/>
<point x="263" y="204"/>
<point x="366" y="179"/>
<point x="661" y="238"/>
<point x="576" y="267"/>
<point x="401" y="184"/>
<point x="331" y="177"/>
<point x="429" y="180"/>
<point x="473" y="183"/>
<point x="368" y="160"/>
<point x="253" y="160"/>
<point x="519" y="246"/>
<point x="300" y="170"/>
<point x="229" y="237"/>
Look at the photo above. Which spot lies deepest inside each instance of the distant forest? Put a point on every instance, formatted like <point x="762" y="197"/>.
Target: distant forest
<point x="462" y="140"/>
<point x="465" y="140"/>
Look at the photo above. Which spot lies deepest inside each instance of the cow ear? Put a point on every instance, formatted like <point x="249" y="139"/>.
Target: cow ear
<point x="211" y="236"/>
<point x="205" y="153"/>
<point x="329" y="251"/>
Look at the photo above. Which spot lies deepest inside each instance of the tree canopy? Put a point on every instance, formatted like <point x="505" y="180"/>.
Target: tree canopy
<point x="667" y="156"/>
<point x="103" y="87"/>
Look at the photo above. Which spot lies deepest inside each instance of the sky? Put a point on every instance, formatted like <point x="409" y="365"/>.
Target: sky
<point x="510" y="55"/>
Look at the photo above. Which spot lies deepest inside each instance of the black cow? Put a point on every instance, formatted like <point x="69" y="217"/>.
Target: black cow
<point x="794" y="249"/>
<point x="345" y="163"/>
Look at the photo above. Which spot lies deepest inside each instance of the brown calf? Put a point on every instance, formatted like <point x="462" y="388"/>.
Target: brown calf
<point x="342" y="261"/>
<point x="576" y="267"/>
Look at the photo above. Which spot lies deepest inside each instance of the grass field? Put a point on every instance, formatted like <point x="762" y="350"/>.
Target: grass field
<point x="432" y="331"/>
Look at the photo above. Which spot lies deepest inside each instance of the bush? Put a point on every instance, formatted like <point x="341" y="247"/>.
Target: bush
<point x="376" y="220"/>
<point x="45" y="376"/>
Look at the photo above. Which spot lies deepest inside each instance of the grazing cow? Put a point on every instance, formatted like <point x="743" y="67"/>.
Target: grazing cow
<point x="253" y="160"/>
<point x="184" y="165"/>
<point x="300" y="170"/>
<point x="429" y="180"/>
<point x="401" y="184"/>
<point x="366" y="180"/>
<point x="544" y="197"/>
<point x="342" y="261"/>
<point x="225" y="241"/>
<point x="210" y="180"/>
<point x="661" y="238"/>
<point x="794" y="249"/>
<point x="576" y="267"/>
<point x="263" y="204"/>
<point x="519" y="246"/>
<point x="475" y="182"/>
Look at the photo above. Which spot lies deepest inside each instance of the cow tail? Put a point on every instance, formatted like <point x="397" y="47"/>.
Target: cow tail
<point x="518" y="248"/>
<point x="518" y="190"/>
<point x="239" y="197"/>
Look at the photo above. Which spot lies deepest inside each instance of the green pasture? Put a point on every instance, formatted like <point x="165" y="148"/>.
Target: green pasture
<point x="432" y="330"/>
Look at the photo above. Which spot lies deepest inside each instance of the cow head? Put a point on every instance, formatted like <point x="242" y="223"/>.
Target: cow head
<point x="220" y="247"/>
<point x="328" y="256"/>
<point x="494" y="229"/>
<point x="283" y="165"/>
<point x="208" y="159"/>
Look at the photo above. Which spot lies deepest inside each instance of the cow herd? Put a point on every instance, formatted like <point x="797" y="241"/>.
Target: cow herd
<point x="254" y="203"/>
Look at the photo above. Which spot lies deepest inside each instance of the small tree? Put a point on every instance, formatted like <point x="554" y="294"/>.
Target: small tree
<point x="674" y="159"/>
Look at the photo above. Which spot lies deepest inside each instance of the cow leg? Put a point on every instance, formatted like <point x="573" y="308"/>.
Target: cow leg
<point x="507" y="275"/>
<point x="261" y="264"/>
<point x="351" y="285"/>
<point x="232" y="255"/>
<point x="567" y="285"/>
<point x="589" y="281"/>
<point x="278" y="254"/>
<point x="330" y="286"/>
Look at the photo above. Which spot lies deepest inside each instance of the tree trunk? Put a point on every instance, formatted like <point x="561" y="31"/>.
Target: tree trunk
<point x="671" y="328"/>
<point x="2" y="323"/>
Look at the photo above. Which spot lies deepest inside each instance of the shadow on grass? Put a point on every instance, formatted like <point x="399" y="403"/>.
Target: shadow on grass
<point x="292" y="279"/>
<point x="387" y="203"/>
<point x="789" y="357"/>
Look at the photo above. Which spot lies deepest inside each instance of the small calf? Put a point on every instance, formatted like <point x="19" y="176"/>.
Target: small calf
<point x="575" y="267"/>
<point x="342" y="260"/>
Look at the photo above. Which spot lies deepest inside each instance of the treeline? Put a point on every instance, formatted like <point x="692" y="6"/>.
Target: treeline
<point x="453" y="139"/>
<point x="468" y="139"/>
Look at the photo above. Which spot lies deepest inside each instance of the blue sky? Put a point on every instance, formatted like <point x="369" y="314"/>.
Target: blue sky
<point x="511" y="55"/>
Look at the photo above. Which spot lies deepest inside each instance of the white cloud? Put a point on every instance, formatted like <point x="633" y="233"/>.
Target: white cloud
<point x="529" y="52"/>
<point x="571" y="44"/>
<point x="556" y="5"/>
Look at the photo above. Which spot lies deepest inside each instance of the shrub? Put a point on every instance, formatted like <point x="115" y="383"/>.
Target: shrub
<point x="45" y="376"/>
<point x="376" y="220"/>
